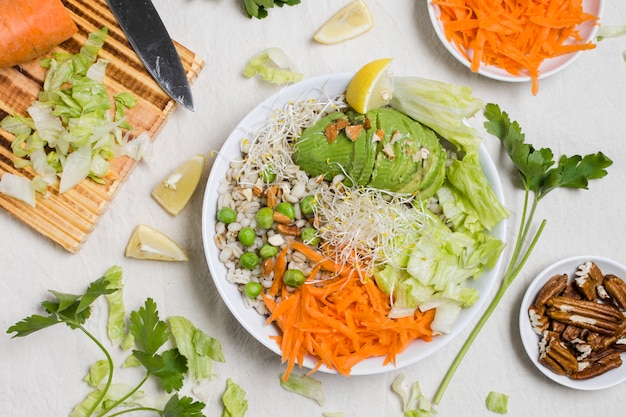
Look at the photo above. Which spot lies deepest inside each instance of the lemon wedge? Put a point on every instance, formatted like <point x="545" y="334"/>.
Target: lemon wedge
<point x="371" y="87"/>
<point x="351" y="21"/>
<point x="175" y="191"/>
<point x="149" y="243"/>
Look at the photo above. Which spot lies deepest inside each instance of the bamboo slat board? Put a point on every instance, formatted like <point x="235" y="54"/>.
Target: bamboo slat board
<point x="69" y="218"/>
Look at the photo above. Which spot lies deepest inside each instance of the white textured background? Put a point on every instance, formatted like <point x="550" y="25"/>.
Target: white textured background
<point x="581" y="110"/>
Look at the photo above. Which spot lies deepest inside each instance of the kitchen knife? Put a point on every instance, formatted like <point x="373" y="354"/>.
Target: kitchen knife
<point x="149" y="38"/>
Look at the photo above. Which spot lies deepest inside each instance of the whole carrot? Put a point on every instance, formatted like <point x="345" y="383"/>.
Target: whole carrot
<point x="31" y="28"/>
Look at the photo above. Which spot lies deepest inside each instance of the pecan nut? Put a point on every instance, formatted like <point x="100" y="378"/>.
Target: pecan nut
<point x="616" y="288"/>
<point x="601" y="318"/>
<point x="556" y="356"/>
<point x="552" y="288"/>
<point x="602" y="363"/>
<point x="588" y="277"/>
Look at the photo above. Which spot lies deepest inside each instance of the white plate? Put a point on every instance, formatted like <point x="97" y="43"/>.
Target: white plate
<point x="548" y="67"/>
<point x="530" y="339"/>
<point x="328" y="85"/>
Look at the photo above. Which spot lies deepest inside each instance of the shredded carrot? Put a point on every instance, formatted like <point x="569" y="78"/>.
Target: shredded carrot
<point x="515" y="35"/>
<point x="341" y="321"/>
<point x="31" y="28"/>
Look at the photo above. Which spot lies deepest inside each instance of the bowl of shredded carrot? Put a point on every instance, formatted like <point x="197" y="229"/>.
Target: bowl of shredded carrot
<point x="342" y="326"/>
<point x="516" y="41"/>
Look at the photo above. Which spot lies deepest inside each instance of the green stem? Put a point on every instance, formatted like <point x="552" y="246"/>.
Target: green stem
<point x="130" y="410"/>
<point x="511" y="273"/>
<point x="124" y="398"/>
<point x="111" y="368"/>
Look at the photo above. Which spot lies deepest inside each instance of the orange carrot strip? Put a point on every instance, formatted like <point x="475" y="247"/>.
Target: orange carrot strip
<point x="515" y="35"/>
<point x="279" y="270"/>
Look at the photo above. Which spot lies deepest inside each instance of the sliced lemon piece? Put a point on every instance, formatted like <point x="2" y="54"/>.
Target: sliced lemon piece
<point x="351" y="21"/>
<point x="371" y="87"/>
<point x="149" y="243"/>
<point x="175" y="191"/>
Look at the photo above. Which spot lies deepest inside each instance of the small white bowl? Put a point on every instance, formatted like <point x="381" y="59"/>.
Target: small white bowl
<point x="530" y="339"/>
<point x="549" y="67"/>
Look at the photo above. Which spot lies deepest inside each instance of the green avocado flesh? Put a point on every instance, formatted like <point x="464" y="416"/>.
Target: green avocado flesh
<point x="394" y="153"/>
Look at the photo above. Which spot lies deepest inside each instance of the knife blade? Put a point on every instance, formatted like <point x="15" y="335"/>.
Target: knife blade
<point x="150" y="40"/>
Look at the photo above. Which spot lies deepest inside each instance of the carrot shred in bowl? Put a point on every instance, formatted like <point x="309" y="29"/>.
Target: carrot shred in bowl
<point x="515" y="35"/>
<point x="341" y="321"/>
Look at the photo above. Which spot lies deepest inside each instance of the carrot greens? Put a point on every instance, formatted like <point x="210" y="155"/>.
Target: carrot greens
<point x="538" y="177"/>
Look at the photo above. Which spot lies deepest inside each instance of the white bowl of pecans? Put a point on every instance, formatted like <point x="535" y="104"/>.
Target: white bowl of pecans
<point x="573" y="324"/>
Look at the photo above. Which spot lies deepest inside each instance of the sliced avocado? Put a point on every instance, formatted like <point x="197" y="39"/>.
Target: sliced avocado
<point x="384" y="156"/>
<point x="317" y="156"/>
<point x="363" y="152"/>
<point x="429" y="177"/>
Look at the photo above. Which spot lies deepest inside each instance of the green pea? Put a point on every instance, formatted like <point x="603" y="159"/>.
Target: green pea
<point x="309" y="236"/>
<point x="307" y="205"/>
<point x="249" y="260"/>
<point x="268" y="251"/>
<point x="294" y="277"/>
<point x="246" y="236"/>
<point x="265" y="218"/>
<point x="252" y="289"/>
<point x="287" y="209"/>
<point x="226" y="215"/>
<point x="268" y="175"/>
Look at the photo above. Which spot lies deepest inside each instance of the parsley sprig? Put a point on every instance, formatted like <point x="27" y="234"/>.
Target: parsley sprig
<point x="538" y="177"/>
<point x="258" y="8"/>
<point x="150" y="334"/>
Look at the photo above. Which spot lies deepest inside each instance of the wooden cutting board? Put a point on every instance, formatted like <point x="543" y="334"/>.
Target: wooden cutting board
<point x="69" y="218"/>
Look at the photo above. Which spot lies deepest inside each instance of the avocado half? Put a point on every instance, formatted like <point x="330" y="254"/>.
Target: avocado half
<point x="392" y="152"/>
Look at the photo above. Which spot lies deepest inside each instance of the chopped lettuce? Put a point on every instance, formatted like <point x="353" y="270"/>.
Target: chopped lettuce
<point x="234" y="400"/>
<point x="274" y="66"/>
<point x="70" y="131"/>
<point x="116" y="324"/>
<point x="305" y="386"/>
<point x="18" y="187"/>
<point x="467" y="178"/>
<point x="97" y="372"/>
<point x="438" y="267"/>
<point x="414" y="403"/>
<point x="199" y="348"/>
<point x="441" y="106"/>
<point x="497" y="402"/>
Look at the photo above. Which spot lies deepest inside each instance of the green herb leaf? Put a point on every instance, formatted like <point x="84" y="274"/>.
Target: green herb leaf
<point x="182" y="407"/>
<point x="258" y="8"/>
<point x="169" y="367"/>
<point x="530" y="162"/>
<point x="31" y="324"/>
<point x="575" y="172"/>
<point x="149" y="332"/>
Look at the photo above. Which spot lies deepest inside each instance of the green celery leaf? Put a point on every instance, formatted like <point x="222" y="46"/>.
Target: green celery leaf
<point x="183" y="407"/>
<point x="149" y="332"/>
